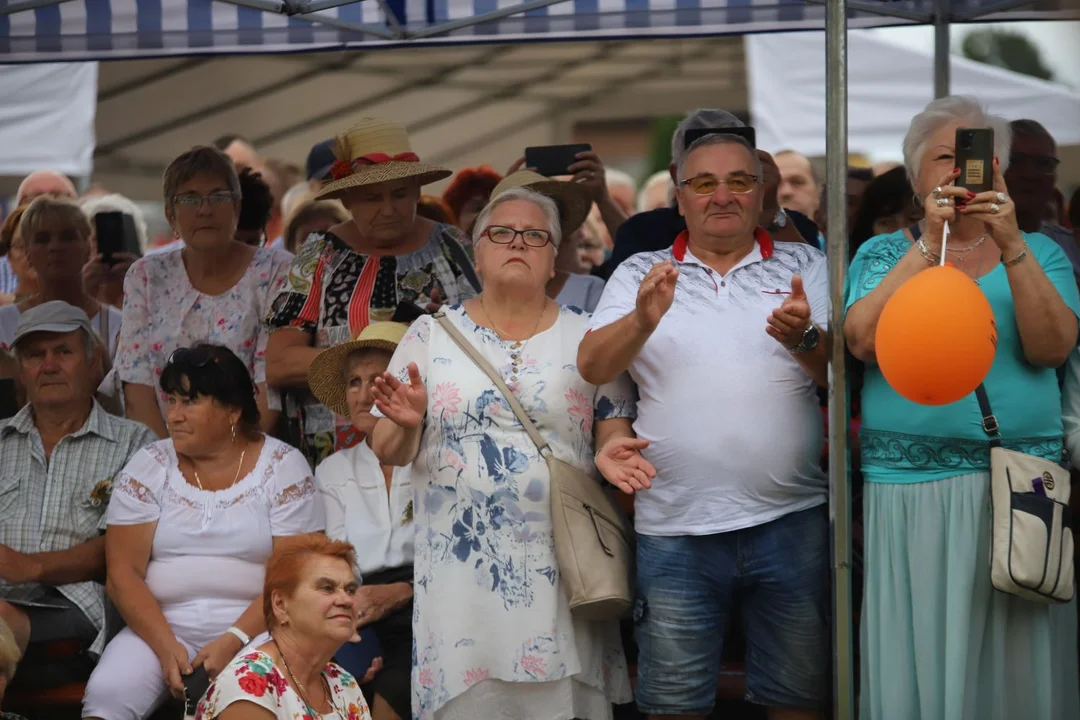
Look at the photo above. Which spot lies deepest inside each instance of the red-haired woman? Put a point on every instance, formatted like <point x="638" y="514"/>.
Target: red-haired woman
<point x="469" y="192"/>
<point x="309" y="599"/>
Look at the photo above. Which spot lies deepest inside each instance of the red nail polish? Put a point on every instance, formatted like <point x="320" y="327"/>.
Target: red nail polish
<point x="971" y="194"/>
<point x="996" y="161"/>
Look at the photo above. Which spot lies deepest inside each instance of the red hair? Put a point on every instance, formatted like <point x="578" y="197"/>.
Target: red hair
<point x="286" y="566"/>
<point x="469" y="182"/>
<point x="435" y="209"/>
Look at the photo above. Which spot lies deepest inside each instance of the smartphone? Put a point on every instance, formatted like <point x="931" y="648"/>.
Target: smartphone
<point x="552" y="160"/>
<point x="115" y="233"/>
<point x="746" y="133"/>
<point x="9" y="399"/>
<point x="195" y="686"/>
<point x="975" y="158"/>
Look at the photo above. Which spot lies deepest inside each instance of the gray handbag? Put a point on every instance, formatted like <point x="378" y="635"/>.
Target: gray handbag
<point x="592" y="536"/>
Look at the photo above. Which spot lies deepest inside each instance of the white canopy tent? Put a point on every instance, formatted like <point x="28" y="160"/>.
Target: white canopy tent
<point x="887" y="85"/>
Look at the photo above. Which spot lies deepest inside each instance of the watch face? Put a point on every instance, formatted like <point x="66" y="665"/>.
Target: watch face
<point x="780" y="219"/>
<point x="811" y="337"/>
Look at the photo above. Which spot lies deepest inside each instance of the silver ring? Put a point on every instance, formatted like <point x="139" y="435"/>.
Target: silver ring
<point x="1002" y="198"/>
<point x="936" y="192"/>
<point x="943" y="202"/>
<point x="994" y="208"/>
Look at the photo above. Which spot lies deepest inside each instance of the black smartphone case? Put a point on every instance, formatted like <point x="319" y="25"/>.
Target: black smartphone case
<point x="553" y="160"/>
<point x="975" y="158"/>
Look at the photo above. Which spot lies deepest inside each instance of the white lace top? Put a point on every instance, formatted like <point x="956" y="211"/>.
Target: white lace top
<point x="214" y="545"/>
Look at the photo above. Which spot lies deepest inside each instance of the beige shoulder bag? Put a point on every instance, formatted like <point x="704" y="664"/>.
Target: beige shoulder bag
<point x="592" y="537"/>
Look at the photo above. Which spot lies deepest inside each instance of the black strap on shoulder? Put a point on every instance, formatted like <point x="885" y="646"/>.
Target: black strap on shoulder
<point x="462" y="260"/>
<point x="916" y="233"/>
<point x="989" y="420"/>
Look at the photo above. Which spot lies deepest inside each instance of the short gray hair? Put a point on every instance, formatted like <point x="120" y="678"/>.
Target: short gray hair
<point x="1032" y="129"/>
<point x="119" y="203"/>
<point x="614" y="177"/>
<point x="524" y="193"/>
<point x="701" y="119"/>
<point x="945" y="111"/>
<point x="719" y="139"/>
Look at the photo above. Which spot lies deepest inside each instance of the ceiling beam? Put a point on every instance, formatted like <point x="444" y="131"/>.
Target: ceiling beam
<point x="115" y="91"/>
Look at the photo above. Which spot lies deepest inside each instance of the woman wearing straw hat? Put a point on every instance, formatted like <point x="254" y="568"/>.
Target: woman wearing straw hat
<point x="493" y="631"/>
<point x="371" y="506"/>
<point x="362" y="269"/>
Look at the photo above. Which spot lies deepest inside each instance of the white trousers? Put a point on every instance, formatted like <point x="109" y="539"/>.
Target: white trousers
<point x="127" y="683"/>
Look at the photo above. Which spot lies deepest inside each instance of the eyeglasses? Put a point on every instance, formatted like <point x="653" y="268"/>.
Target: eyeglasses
<point x="1046" y="164"/>
<point x="504" y="236"/>
<point x="195" y="200"/>
<point x="707" y="184"/>
<point x="197" y="357"/>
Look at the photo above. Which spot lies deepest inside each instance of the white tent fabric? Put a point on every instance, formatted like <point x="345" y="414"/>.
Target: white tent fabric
<point x="47" y="30"/>
<point x="47" y="118"/>
<point x="887" y="85"/>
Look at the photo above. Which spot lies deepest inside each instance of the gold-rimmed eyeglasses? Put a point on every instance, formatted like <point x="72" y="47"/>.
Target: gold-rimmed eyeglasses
<point x="740" y="184"/>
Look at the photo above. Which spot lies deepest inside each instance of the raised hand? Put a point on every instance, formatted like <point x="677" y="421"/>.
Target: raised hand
<point x="621" y="463"/>
<point x="656" y="294"/>
<point x="996" y="209"/>
<point x="403" y="403"/>
<point x="940" y="208"/>
<point x="788" y="323"/>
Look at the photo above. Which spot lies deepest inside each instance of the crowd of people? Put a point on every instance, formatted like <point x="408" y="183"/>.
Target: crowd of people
<point x="387" y="550"/>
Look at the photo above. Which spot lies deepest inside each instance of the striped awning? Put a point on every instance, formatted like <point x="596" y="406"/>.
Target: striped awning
<point x="51" y="30"/>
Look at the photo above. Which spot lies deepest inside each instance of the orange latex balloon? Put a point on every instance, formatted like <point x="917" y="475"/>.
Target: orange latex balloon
<point x="936" y="337"/>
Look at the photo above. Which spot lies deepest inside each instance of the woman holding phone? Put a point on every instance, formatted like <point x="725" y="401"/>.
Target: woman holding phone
<point x="937" y="640"/>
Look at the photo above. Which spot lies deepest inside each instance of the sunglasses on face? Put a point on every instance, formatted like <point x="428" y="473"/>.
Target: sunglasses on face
<point x="707" y="184"/>
<point x="504" y="236"/>
<point x="193" y="201"/>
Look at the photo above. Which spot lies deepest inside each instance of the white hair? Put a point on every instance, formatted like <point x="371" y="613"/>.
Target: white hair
<point x="946" y="111"/>
<point x="709" y="140"/>
<point x="618" y="177"/>
<point x="293" y="197"/>
<point x="656" y="180"/>
<point x="524" y="193"/>
<point x="701" y="119"/>
<point x="119" y="203"/>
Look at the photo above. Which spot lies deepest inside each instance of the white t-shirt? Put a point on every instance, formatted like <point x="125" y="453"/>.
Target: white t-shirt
<point x="360" y="511"/>
<point x="9" y="322"/>
<point x="733" y="421"/>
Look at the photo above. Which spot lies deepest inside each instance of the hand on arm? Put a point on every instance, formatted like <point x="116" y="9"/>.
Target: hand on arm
<point x="619" y="458"/>
<point x="607" y="352"/>
<point x="81" y="563"/>
<point x="375" y="602"/>
<point x="396" y="438"/>
<point x="288" y="358"/>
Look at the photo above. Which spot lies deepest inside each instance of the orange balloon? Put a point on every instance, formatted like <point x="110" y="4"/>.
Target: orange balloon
<point x="936" y="337"/>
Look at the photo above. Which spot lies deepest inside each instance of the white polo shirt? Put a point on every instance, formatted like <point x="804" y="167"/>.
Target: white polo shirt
<point x="733" y="421"/>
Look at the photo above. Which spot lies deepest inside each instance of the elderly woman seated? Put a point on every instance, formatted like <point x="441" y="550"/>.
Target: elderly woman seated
<point x="370" y="505"/>
<point x="309" y="604"/>
<point x="191" y="523"/>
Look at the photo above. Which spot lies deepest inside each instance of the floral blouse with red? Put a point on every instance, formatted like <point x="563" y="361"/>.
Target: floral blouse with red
<point x="253" y="677"/>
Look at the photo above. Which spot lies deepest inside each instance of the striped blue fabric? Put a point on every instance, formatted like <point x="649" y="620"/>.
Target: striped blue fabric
<point x="104" y="29"/>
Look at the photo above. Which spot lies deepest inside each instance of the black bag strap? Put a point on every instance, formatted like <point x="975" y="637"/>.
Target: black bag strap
<point x="989" y="420"/>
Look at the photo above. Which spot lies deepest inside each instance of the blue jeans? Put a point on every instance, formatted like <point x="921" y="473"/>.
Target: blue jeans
<point x="687" y="590"/>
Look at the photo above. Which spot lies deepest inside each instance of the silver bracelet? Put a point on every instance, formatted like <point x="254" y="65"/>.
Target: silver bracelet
<point x="928" y="255"/>
<point x="1023" y="254"/>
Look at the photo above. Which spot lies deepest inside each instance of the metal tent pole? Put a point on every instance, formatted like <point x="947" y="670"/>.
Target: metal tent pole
<point x="836" y="151"/>
<point x="941" y="48"/>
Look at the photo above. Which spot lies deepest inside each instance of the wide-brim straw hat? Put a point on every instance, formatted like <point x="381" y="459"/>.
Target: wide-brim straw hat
<point x="326" y="377"/>
<point x="572" y="199"/>
<point x="375" y="151"/>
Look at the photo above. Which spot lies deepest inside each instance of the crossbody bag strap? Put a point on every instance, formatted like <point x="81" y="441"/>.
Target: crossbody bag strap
<point x="462" y="260"/>
<point x="469" y="349"/>
<point x="916" y="233"/>
<point x="989" y="420"/>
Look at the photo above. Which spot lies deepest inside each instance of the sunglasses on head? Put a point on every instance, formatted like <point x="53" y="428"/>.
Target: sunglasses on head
<point x="198" y="357"/>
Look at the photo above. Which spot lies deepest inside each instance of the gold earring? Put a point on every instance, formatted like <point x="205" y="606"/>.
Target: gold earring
<point x="234" y="432"/>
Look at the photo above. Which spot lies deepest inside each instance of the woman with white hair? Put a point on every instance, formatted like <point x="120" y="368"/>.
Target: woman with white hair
<point x="938" y="642"/>
<point x="484" y="543"/>
<point x="102" y="280"/>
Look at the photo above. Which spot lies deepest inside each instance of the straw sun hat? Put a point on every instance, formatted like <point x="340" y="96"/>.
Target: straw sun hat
<point x="374" y="151"/>
<point x="326" y="378"/>
<point x="573" y="200"/>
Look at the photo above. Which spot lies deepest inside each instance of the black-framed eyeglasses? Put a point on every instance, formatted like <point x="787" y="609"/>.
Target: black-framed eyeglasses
<point x="533" y="237"/>
<point x="194" y="201"/>
<point x="197" y="357"/>
<point x="1046" y="164"/>
<point x="740" y="184"/>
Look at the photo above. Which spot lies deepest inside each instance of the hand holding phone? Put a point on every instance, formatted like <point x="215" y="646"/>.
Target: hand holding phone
<point x="975" y="159"/>
<point x="115" y="234"/>
<point x="554" y="160"/>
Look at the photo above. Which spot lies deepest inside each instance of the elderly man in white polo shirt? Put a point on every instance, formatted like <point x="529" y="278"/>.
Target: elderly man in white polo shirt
<point x="725" y="335"/>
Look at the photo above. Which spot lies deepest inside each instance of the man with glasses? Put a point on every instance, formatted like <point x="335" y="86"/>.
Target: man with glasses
<point x="726" y="336"/>
<point x="1032" y="178"/>
<point x="58" y="458"/>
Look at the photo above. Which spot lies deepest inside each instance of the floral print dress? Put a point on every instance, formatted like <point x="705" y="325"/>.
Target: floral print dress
<point x="493" y="632"/>
<point x="253" y="677"/>
<point x="333" y="292"/>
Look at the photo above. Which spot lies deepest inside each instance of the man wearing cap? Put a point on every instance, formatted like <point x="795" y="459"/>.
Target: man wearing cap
<point x="58" y="457"/>
<point x="725" y="335"/>
<point x="319" y="161"/>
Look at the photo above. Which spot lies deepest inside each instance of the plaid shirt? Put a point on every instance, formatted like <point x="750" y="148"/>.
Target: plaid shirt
<point x="56" y="504"/>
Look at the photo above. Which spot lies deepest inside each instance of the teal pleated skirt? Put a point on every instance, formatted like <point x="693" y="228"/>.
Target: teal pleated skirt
<point x="938" y="642"/>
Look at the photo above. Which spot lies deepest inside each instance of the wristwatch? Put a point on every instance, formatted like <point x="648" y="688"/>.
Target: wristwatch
<point x="810" y="338"/>
<point x="779" y="222"/>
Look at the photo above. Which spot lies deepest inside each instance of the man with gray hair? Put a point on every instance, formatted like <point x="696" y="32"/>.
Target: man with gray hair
<point x="58" y="457"/>
<point x="657" y="229"/>
<point x="725" y="334"/>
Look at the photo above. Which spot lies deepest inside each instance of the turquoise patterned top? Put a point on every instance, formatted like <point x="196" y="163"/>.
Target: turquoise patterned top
<point x="904" y="442"/>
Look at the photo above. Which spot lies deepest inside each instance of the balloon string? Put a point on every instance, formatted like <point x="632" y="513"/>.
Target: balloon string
<point x="944" y="241"/>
